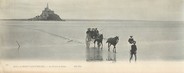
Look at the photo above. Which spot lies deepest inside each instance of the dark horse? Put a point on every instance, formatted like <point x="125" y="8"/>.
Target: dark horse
<point x="112" y="41"/>
<point x="99" y="41"/>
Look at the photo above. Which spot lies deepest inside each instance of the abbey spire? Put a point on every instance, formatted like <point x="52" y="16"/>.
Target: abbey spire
<point x="47" y="5"/>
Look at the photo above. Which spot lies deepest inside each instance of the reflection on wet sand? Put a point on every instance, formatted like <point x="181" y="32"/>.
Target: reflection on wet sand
<point x="96" y="54"/>
<point x="111" y="56"/>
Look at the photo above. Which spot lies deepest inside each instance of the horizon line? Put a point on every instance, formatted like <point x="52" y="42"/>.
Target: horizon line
<point x="86" y="20"/>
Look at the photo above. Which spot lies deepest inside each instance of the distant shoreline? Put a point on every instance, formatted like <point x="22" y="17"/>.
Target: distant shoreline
<point x="86" y="20"/>
<point x="26" y="20"/>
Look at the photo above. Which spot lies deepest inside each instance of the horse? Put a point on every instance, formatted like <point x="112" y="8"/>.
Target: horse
<point x="112" y="41"/>
<point x="99" y="41"/>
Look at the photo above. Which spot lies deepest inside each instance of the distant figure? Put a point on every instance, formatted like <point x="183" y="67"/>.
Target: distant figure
<point x="133" y="51"/>
<point x="131" y="40"/>
<point x="88" y="37"/>
<point x="88" y="33"/>
<point x="93" y="33"/>
<point x="96" y="32"/>
<point x="112" y="41"/>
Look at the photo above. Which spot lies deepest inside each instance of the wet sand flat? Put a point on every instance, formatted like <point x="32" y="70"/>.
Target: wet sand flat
<point x="41" y="40"/>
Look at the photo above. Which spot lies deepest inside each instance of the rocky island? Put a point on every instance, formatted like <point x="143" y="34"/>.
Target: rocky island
<point x="47" y="15"/>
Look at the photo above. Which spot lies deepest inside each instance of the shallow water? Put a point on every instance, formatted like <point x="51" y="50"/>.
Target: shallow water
<point x="66" y="40"/>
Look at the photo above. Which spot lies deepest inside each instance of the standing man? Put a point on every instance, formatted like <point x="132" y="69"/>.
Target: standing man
<point x="133" y="51"/>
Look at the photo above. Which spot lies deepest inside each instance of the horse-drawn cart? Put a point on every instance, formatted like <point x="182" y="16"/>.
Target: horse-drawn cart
<point x="93" y="36"/>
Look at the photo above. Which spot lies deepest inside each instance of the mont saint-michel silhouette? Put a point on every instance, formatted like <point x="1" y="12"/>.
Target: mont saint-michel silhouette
<point x="47" y="14"/>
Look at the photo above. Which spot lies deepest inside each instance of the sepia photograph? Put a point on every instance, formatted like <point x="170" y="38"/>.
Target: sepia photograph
<point x="91" y="36"/>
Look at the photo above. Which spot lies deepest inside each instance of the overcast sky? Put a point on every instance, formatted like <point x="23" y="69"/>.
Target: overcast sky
<point x="167" y="10"/>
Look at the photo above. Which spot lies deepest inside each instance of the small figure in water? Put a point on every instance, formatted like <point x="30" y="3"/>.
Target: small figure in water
<point x="96" y="31"/>
<point x="93" y="33"/>
<point x="88" y="34"/>
<point x="133" y="51"/>
<point x="131" y="40"/>
<point x="88" y="31"/>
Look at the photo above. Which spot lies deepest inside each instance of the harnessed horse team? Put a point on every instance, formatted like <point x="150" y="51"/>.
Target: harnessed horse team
<point x="94" y="36"/>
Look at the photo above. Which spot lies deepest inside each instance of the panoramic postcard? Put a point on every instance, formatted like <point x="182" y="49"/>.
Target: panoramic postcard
<point x="91" y="36"/>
